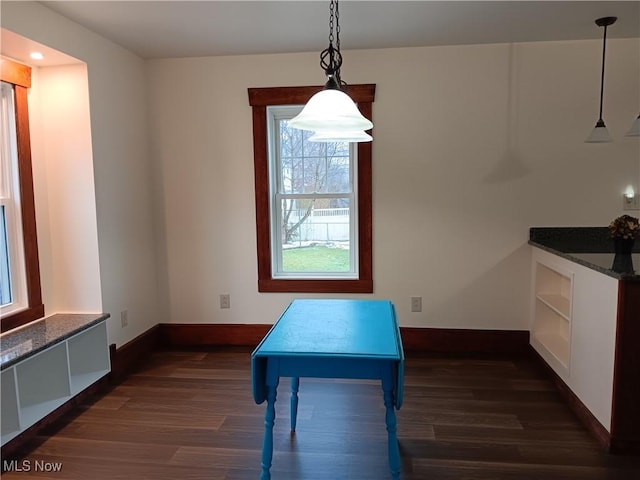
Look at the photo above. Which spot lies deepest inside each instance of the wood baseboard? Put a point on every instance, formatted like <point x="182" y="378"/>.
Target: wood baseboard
<point x="464" y="341"/>
<point x="575" y="404"/>
<point x="441" y="340"/>
<point x="218" y="334"/>
<point x="131" y="355"/>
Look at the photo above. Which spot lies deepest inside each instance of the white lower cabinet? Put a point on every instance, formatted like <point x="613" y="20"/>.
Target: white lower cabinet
<point x="37" y="385"/>
<point x="87" y="361"/>
<point x="593" y="340"/>
<point x="43" y="384"/>
<point x="573" y="328"/>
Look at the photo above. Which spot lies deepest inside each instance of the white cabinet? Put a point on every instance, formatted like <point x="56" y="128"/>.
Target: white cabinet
<point x="593" y="341"/>
<point x="88" y="357"/>
<point x="573" y="328"/>
<point x="43" y="384"/>
<point x="34" y="387"/>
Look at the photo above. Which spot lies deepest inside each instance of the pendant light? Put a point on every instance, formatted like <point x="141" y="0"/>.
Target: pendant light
<point x="331" y="113"/>
<point x="600" y="134"/>
<point x="634" y="131"/>
<point x="341" y="136"/>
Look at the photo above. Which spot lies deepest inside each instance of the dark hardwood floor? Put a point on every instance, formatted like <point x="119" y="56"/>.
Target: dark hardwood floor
<point x="190" y="415"/>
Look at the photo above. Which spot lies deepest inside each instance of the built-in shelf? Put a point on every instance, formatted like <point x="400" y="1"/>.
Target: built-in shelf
<point x="48" y="370"/>
<point x="558" y="303"/>
<point x="551" y="326"/>
<point x="557" y="345"/>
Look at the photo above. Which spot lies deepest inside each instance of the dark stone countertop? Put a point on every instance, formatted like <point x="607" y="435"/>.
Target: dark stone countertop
<point x="23" y="342"/>
<point x="591" y="247"/>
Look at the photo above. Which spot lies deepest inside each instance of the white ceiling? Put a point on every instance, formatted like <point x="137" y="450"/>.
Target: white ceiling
<point x="156" y="29"/>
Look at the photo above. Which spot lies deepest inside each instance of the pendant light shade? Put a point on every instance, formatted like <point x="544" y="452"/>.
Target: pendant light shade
<point x="330" y="110"/>
<point x="331" y="113"/>
<point x="634" y="131"/>
<point x="341" y="136"/>
<point x="600" y="134"/>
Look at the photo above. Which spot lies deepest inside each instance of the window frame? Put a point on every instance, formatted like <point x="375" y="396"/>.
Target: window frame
<point x="11" y="219"/>
<point x="20" y="76"/>
<point x="259" y="100"/>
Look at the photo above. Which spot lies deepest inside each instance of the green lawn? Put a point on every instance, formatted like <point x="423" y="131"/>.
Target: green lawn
<point x="316" y="258"/>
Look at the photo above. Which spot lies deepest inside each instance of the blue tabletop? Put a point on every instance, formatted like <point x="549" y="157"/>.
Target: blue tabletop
<point x="334" y="329"/>
<point x="348" y="328"/>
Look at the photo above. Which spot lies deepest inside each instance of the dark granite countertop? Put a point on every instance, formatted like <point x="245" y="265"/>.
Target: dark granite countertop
<point x="23" y="342"/>
<point x="591" y="247"/>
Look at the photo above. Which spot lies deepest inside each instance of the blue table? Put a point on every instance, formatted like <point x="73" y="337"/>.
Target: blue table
<point x="330" y="339"/>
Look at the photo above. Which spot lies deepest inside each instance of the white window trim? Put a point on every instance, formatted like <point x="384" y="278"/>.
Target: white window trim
<point x="274" y="114"/>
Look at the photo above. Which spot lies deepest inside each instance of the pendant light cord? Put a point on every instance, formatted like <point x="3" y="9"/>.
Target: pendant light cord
<point x="337" y="14"/>
<point x="603" y="22"/>
<point x="330" y="57"/>
<point x="604" y="48"/>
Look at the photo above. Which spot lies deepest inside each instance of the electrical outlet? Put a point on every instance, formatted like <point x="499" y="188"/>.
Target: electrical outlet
<point x="124" y="318"/>
<point x="225" y="300"/>
<point x="416" y="304"/>
<point x="631" y="203"/>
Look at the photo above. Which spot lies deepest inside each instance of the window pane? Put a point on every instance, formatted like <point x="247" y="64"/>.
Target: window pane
<point x="315" y="175"/>
<point x="311" y="167"/>
<point x="5" y="285"/>
<point x="314" y="227"/>
<point x="291" y="157"/>
<point x="315" y="235"/>
<point x="338" y="172"/>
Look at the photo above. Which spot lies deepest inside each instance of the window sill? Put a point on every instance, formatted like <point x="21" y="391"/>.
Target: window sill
<point x="20" y="318"/>
<point x="315" y="286"/>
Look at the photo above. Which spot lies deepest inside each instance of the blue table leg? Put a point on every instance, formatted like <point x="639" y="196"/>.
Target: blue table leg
<point x="295" y="385"/>
<point x="390" y="419"/>
<point x="269" y="420"/>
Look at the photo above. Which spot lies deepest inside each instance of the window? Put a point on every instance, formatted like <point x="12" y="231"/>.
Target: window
<point x="13" y="287"/>
<point x="313" y="200"/>
<point x="20" y="295"/>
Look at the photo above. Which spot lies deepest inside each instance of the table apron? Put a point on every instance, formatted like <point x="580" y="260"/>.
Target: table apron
<point x="330" y="367"/>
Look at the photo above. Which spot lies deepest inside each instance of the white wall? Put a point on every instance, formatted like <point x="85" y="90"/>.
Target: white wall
<point x="126" y="235"/>
<point x="64" y="189"/>
<point x="473" y="145"/>
<point x="470" y="151"/>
